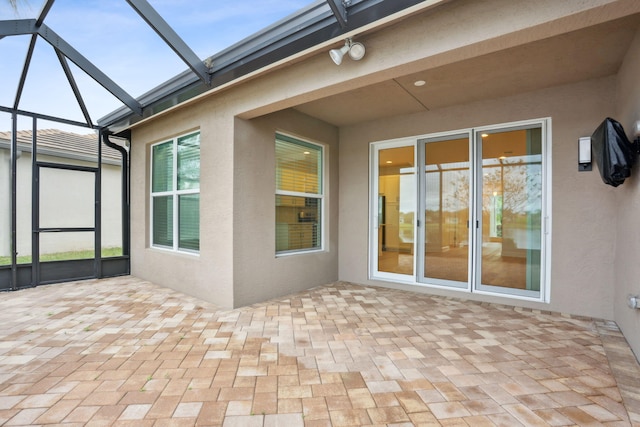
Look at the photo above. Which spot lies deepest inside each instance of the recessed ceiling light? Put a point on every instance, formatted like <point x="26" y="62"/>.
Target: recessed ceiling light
<point x="389" y="162"/>
<point x="484" y="135"/>
<point x="306" y="152"/>
<point x="419" y="83"/>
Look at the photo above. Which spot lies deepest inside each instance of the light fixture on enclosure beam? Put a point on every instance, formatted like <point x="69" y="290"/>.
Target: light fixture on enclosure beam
<point x="355" y="50"/>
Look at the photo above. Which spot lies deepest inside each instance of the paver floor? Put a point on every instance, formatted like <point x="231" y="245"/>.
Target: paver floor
<point x="124" y="351"/>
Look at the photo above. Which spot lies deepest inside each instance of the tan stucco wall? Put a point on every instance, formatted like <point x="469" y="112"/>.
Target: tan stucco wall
<point x="460" y="30"/>
<point x="626" y="265"/>
<point x="258" y="273"/>
<point x="208" y="276"/>
<point x="582" y="209"/>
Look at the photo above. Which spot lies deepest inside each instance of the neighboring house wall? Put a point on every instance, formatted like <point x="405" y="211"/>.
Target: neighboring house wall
<point x="5" y="195"/>
<point x="66" y="200"/>
<point x="626" y="265"/>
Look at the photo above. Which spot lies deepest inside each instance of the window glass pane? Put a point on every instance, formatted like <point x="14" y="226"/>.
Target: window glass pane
<point x="182" y="231"/>
<point x="298" y="167"/>
<point x="189" y="162"/>
<point x="162" y="179"/>
<point x="189" y="222"/>
<point x="297" y="223"/>
<point x="163" y="221"/>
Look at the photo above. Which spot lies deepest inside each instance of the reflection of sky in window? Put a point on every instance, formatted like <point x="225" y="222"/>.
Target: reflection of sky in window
<point x="523" y="192"/>
<point x="455" y="190"/>
<point x="522" y="186"/>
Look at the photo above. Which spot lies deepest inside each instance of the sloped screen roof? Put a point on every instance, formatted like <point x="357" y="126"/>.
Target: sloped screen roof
<point x="119" y="43"/>
<point x="81" y="60"/>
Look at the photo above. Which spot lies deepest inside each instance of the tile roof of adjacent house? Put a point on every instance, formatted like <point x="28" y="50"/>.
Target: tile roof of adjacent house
<point x="60" y="143"/>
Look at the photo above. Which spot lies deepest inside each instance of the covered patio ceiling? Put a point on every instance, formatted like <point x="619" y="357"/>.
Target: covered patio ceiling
<point x="591" y="53"/>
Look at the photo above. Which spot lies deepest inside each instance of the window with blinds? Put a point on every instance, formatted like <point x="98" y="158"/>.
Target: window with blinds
<point x="299" y="195"/>
<point x="175" y="194"/>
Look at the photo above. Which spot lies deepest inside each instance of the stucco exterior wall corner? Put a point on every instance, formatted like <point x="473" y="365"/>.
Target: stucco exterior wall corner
<point x="207" y="275"/>
<point x="260" y="274"/>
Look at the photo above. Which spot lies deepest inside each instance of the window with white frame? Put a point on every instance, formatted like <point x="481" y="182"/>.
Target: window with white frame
<point x="175" y="194"/>
<point x="299" y="195"/>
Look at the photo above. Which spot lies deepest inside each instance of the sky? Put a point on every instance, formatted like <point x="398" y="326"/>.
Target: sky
<point x="115" y="38"/>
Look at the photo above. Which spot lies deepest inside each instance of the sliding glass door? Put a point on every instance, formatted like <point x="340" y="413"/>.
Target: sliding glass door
<point x="510" y="210"/>
<point x="462" y="210"/>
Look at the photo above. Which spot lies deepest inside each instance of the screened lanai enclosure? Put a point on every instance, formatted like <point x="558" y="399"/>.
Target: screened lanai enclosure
<point x="64" y="182"/>
<point x="68" y="196"/>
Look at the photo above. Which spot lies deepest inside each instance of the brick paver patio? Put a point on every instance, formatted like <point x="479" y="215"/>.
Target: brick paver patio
<point x="127" y="352"/>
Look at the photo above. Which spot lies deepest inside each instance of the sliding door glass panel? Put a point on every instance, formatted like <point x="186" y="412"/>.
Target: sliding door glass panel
<point x="511" y="213"/>
<point x="396" y="210"/>
<point x="446" y="212"/>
